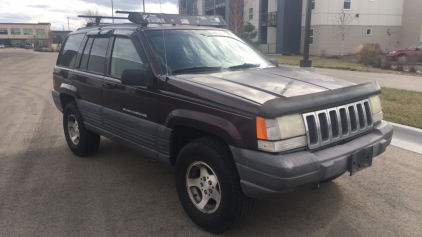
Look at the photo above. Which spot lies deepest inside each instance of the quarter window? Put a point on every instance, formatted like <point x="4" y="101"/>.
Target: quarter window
<point x="250" y="13"/>
<point x="15" y="31"/>
<point x="27" y="31"/>
<point x="85" y="56"/>
<point x="347" y="4"/>
<point x="124" y="57"/>
<point x="70" y="50"/>
<point x="3" y="32"/>
<point x="311" y="36"/>
<point x="96" y="59"/>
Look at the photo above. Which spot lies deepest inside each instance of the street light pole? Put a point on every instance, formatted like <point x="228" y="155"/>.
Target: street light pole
<point x="63" y="27"/>
<point x="306" y="62"/>
<point x="112" y="10"/>
<point x="68" y="28"/>
<point x="144" y="5"/>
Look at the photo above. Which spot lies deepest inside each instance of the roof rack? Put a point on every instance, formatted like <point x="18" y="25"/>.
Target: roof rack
<point x="98" y="19"/>
<point x="174" y="19"/>
<point x="162" y="18"/>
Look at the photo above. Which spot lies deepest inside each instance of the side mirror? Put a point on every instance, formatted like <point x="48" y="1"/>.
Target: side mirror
<point x="416" y="49"/>
<point x="135" y="77"/>
<point x="274" y="61"/>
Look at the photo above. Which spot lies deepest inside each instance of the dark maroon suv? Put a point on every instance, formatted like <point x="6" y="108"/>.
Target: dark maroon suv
<point x="235" y="126"/>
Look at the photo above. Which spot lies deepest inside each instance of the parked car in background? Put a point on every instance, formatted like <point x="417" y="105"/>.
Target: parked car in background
<point x="28" y="46"/>
<point x="403" y="53"/>
<point x="1" y="45"/>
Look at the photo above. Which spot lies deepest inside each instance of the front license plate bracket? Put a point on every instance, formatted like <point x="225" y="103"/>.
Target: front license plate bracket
<point x="360" y="160"/>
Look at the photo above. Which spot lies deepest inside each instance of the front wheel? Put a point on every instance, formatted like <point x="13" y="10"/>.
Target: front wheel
<point x="208" y="186"/>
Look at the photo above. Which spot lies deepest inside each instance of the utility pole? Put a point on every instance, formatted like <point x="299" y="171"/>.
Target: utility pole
<point x="213" y="7"/>
<point x="68" y="28"/>
<point x="143" y="6"/>
<point x="306" y="62"/>
<point x="112" y="10"/>
<point x="63" y="27"/>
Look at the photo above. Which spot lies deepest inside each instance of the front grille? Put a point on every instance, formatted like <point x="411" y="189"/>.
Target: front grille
<point x="331" y="125"/>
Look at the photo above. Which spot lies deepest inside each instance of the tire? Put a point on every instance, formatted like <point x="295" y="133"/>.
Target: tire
<point x="234" y="206"/>
<point x="331" y="179"/>
<point x="88" y="142"/>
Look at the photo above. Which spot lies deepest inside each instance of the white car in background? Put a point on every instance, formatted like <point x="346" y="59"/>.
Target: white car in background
<point x="1" y="45"/>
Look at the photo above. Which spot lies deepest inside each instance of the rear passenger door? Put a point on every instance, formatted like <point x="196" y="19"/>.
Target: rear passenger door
<point x="129" y="111"/>
<point x="88" y="78"/>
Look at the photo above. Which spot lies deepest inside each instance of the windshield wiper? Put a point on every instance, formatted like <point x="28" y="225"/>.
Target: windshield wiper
<point x="197" y="69"/>
<point x="245" y="65"/>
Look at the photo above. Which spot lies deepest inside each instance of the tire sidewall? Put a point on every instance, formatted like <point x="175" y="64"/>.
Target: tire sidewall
<point x="72" y="109"/>
<point x="221" y="217"/>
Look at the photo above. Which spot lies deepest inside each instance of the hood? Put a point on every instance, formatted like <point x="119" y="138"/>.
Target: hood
<point x="261" y="85"/>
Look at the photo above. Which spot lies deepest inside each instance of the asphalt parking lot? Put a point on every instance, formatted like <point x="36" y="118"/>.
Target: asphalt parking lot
<point x="47" y="191"/>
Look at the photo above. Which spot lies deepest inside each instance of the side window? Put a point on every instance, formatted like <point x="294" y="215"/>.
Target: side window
<point x="70" y="50"/>
<point x="124" y="56"/>
<point x="85" y="55"/>
<point x="96" y="58"/>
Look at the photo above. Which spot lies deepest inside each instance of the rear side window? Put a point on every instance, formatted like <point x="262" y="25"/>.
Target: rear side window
<point x="124" y="56"/>
<point x="96" y="59"/>
<point x="70" y="50"/>
<point x="85" y="55"/>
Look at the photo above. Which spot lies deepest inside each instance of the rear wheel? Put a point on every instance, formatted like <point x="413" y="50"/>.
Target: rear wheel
<point x="208" y="186"/>
<point x="80" y="140"/>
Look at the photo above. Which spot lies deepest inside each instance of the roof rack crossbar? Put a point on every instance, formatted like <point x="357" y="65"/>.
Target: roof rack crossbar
<point x="174" y="19"/>
<point x="98" y="18"/>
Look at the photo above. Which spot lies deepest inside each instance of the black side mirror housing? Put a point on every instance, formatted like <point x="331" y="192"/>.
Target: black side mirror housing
<point x="274" y="61"/>
<point x="417" y="49"/>
<point x="135" y="77"/>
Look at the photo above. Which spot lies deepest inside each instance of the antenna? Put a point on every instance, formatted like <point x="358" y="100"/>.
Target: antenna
<point x="164" y="41"/>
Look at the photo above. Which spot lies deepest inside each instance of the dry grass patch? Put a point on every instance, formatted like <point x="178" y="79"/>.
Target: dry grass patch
<point x="401" y="106"/>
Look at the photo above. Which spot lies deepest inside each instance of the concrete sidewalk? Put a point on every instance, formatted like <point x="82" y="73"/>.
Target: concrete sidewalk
<point x="404" y="82"/>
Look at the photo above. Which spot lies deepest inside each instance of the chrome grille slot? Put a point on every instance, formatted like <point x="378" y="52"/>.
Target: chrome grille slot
<point x="368" y="113"/>
<point x="361" y="116"/>
<point x="312" y="129"/>
<point x="327" y="126"/>
<point x="335" y="123"/>
<point x="353" y="118"/>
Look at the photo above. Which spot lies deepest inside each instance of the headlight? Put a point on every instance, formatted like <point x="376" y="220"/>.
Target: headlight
<point x="281" y="134"/>
<point x="392" y="52"/>
<point x="377" y="114"/>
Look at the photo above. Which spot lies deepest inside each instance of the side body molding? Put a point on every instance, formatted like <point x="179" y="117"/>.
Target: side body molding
<point x="206" y="122"/>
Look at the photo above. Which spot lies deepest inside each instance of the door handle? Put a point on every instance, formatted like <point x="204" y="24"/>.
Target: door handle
<point x="108" y="85"/>
<point x="75" y="77"/>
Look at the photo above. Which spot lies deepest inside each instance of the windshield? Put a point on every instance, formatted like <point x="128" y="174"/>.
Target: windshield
<point x="203" y="49"/>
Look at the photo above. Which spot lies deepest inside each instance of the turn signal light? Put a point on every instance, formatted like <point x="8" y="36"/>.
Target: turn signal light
<point x="54" y="81"/>
<point x="261" y="128"/>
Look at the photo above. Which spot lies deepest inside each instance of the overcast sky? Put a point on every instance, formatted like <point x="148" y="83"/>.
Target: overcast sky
<point x="57" y="11"/>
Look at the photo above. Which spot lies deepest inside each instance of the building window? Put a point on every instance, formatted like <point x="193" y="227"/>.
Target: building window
<point x="16" y="42"/>
<point x="28" y="41"/>
<point x="347" y="4"/>
<point x="27" y="31"/>
<point x="15" y="31"/>
<point x="311" y="36"/>
<point x="42" y="42"/>
<point x="40" y="32"/>
<point x="194" y="9"/>
<point x="250" y="13"/>
<point x="3" y="32"/>
<point x="313" y="4"/>
<point x="369" y="31"/>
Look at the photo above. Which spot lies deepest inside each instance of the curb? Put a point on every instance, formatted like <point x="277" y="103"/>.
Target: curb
<point x="406" y="137"/>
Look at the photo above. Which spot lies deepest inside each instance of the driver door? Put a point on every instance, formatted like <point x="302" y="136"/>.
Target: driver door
<point x="129" y="109"/>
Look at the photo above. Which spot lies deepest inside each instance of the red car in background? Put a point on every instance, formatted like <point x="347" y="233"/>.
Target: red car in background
<point x="405" y="52"/>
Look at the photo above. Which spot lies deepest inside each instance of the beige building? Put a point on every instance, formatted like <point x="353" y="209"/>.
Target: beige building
<point x="392" y="24"/>
<point x="16" y="34"/>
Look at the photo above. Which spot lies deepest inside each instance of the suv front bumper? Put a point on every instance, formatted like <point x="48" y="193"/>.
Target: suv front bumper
<point x="264" y="174"/>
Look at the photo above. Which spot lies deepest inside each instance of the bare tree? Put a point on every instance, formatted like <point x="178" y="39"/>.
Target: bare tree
<point x="239" y="15"/>
<point x="90" y="12"/>
<point x="342" y="27"/>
